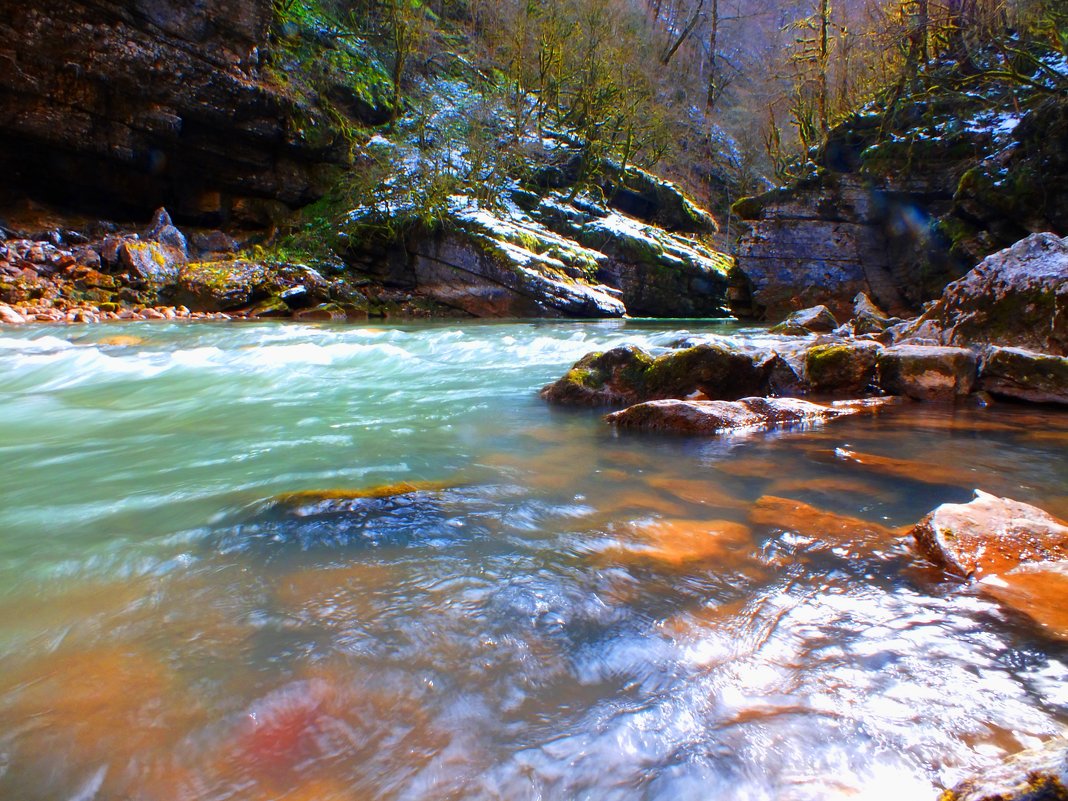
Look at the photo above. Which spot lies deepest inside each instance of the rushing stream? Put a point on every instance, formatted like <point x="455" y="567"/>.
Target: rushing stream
<point x="558" y="612"/>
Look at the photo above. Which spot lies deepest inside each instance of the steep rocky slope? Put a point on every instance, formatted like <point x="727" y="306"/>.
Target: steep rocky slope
<point x="122" y="107"/>
<point x="903" y="198"/>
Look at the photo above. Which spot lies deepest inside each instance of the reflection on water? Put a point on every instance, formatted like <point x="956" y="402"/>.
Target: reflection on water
<point x="562" y="613"/>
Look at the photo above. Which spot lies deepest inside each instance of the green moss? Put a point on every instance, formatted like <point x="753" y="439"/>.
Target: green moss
<point x="748" y="208"/>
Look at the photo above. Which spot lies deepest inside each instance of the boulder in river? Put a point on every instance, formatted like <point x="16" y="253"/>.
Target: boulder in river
<point x="1015" y="297"/>
<point x="1025" y="375"/>
<point x="815" y="320"/>
<point x="602" y="379"/>
<point x="989" y="535"/>
<point x="842" y="368"/>
<point x="9" y="316"/>
<point x="748" y="414"/>
<point x="927" y="372"/>
<point x="1038" y="774"/>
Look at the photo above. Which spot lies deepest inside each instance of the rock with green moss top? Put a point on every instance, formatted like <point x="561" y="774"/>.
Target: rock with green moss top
<point x="1015" y="297"/>
<point x="924" y="372"/>
<point x="628" y="374"/>
<point x="1025" y="375"/>
<point x="844" y="368"/>
<point x="815" y="320"/>
<point x="1038" y="774"/>
<point x="643" y="195"/>
<point x="610" y="378"/>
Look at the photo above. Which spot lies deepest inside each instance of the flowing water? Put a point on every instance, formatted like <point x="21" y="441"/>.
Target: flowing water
<point x="556" y="611"/>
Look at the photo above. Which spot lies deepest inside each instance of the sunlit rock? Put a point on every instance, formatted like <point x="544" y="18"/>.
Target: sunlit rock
<point x="1016" y="297"/>
<point x="989" y="535"/>
<point x="927" y="373"/>
<point x="748" y="414"/>
<point x="815" y="320"/>
<point x="1025" y="375"/>
<point x="1039" y="774"/>
<point x="676" y="543"/>
<point x="9" y="316"/>
<point x="791" y="515"/>
<point x="1036" y="589"/>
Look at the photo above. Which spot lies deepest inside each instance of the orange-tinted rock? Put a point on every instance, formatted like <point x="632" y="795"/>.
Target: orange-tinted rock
<point x="989" y="535"/>
<point x="676" y="543"/>
<point x="1038" y="590"/>
<point x="831" y="486"/>
<point x="924" y="472"/>
<point x="807" y="520"/>
<point x="695" y="490"/>
<point x="1037" y="774"/>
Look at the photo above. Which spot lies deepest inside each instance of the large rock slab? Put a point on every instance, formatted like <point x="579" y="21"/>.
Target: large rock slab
<point x="1039" y="774"/>
<point x="927" y="372"/>
<point x="721" y="417"/>
<point x="1015" y="297"/>
<point x="1025" y="375"/>
<point x="989" y="535"/>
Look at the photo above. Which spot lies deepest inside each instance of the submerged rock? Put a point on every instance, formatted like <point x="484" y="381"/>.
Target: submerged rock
<point x="676" y="543"/>
<point x="927" y="373"/>
<point x="817" y="319"/>
<point x="989" y="535"/>
<point x="1037" y="590"/>
<point x="1024" y="375"/>
<point x="1015" y="297"/>
<point x="810" y="521"/>
<point x="748" y="414"/>
<point x="1038" y="774"/>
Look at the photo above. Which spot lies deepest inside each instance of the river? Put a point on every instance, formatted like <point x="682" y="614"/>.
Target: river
<point x="558" y="611"/>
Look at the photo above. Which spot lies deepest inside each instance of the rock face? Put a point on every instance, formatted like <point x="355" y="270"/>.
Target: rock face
<point x="903" y="201"/>
<point x="487" y="282"/>
<point x="1039" y="774"/>
<point x="1015" y="297"/>
<point x="820" y="243"/>
<point x="1025" y="375"/>
<point x="989" y="535"/>
<point x="927" y="373"/>
<point x="121" y="107"/>
<point x="720" y="417"/>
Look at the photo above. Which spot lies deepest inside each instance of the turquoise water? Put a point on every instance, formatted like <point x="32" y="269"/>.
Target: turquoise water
<point x="558" y="612"/>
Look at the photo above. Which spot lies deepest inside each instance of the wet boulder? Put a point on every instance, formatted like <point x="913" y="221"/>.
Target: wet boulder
<point x="152" y="262"/>
<point x="722" y="417"/>
<point x="1038" y="774"/>
<point x="1025" y="375"/>
<point x="602" y="379"/>
<point x="815" y="320"/>
<point x="9" y="316"/>
<point x="1017" y="297"/>
<point x="989" y="535"/>
<point x="842" y="368"/>
<point x="628" y="374"/>
<point x="925" y="372"/>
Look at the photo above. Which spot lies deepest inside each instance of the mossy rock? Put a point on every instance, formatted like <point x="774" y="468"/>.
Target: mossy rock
<point x="846" y="368"/>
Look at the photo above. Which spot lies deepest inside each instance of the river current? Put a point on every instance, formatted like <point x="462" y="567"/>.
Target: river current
<point x="556" y="611"/>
